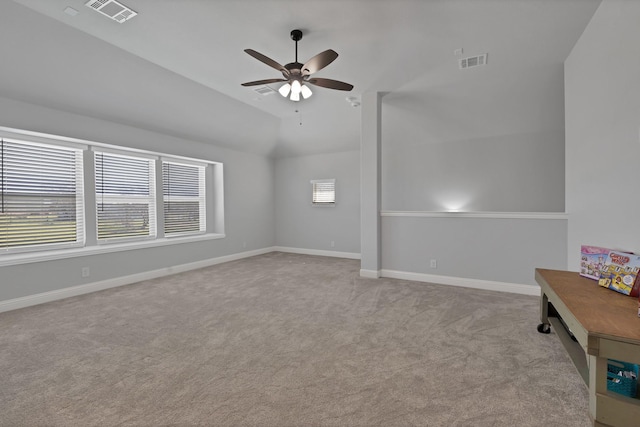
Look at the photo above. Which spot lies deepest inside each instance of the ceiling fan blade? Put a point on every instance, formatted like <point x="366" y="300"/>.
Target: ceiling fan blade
<point x="270" y="62"/>
<point x="319" y="61"/>
<point x="264" y="82"/>
<point x="331" y="84"/>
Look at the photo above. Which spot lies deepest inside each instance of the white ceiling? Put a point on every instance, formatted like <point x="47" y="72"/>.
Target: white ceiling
<point x="177" y="67"/>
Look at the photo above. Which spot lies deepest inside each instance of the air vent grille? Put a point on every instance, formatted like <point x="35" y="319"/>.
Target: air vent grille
<point x="112" y="9"/>
<point x="473" y="61"/>
<point x="264" y="90"/>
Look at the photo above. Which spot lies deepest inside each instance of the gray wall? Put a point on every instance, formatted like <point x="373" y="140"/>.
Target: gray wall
<point x="505" y="173"/>
<point x="249" y="203"/>
<point x="502" y="250"/>
<point x="505" y="154"/>
<point x="301" y="225"/>
<point x="603" y="121"/>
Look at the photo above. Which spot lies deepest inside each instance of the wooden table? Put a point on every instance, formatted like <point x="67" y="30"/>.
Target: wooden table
<point x="605" y="325"/>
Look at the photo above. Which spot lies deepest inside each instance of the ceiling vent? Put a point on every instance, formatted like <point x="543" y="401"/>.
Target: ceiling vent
<point x="264" y="90"/>
<point x="473" y="61"/>
<point x="112" y="8"/>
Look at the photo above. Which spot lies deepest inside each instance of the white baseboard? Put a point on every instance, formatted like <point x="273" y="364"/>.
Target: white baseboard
<point x="488" y="285"/>
<point x="29" y="300"/>
<point x="370" y="274"/>
<point x="319" y="252"/>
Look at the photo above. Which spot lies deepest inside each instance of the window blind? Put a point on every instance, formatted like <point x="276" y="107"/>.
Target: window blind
<point x="184" y="198"/>
<point x="41" y="195"/>
<point x="323" y="192"/>
<point x="125" y="196"/>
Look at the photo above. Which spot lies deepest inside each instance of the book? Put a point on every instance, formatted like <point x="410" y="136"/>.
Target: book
<point x="592" y="259"/>
<point x="620" y="273"/>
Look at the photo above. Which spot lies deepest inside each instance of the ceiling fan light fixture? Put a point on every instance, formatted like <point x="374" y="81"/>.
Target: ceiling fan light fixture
<point x="305" y="91"/>
<point x="295" y="96"/>
<point x="295" y="86"/>
<point x="284" y="90"/>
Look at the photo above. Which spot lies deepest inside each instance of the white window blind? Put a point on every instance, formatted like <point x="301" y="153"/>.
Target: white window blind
<point x="323" y="192"/>
<point x="41" y="196"/>
<point x="184" y="198"/>
<point x="125" y="196"/>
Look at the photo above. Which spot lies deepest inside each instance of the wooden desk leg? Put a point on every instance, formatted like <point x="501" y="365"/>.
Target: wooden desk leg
<point x="544" y="327"/>
<point x="597" y="385"/>
<point x="544" y="309"/>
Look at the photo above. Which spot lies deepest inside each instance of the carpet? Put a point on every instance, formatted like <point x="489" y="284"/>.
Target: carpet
<point x="286" y="340"/>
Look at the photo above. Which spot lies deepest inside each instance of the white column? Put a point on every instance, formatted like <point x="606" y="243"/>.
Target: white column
<point x="370" y="183"/>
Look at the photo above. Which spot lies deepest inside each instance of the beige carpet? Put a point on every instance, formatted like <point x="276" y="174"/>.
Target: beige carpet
<point x="285" y="340"/>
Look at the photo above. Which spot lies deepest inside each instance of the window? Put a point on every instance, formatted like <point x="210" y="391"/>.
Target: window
<point x="135" y="197"/>
<point x="41" y="195"/>
<point x="125" y="196"/>
<point x="323" y="192"/>
<point x="184" y="198"/>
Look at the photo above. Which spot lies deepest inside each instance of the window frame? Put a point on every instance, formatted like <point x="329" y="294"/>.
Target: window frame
<point x="201" y="198"/>
<point x="116" y="199"/>
<point x="78" y="194"/>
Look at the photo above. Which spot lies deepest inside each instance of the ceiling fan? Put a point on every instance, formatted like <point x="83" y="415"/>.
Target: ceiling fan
<point x="297" y="75"/>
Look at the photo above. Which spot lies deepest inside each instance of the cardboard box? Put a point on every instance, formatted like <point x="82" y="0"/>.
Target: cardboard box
<point x="592" y="259"/>
<point x="620" y="273"/>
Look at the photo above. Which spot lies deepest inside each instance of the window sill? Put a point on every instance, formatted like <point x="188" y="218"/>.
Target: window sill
<point x="31" y="257"/>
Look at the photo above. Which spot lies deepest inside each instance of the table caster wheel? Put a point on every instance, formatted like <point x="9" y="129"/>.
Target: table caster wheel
<point x="543" y="328"/>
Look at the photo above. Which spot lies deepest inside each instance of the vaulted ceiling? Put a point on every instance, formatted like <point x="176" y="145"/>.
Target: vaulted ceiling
<point x="177" y="66"/>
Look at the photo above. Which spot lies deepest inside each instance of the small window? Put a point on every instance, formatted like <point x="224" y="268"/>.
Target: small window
<point x="323" y="192"/>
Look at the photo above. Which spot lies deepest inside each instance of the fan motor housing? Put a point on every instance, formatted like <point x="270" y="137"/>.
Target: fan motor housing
<point x="295" y="70"/>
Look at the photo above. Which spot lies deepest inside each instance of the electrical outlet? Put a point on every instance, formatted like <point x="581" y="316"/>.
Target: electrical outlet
<point x="434" y="263"/>
<point x="333" y="244"/>
<point x="85" y="272"/>
<point x="244" y="245"/>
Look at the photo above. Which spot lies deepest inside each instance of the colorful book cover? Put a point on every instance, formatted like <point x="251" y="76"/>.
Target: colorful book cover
<point x="592" y="259"/>
<point x="619" y="272"/>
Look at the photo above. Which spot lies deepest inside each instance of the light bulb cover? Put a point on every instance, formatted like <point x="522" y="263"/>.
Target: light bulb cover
<point x="284" y="90"/>
<point x="295" y="96"/>
<point x="295" y="86"/>
<point x="305" y="91"/>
